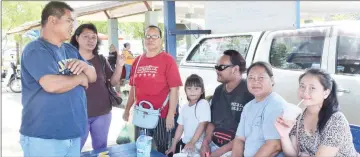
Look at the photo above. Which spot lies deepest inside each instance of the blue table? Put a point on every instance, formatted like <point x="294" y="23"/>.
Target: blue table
<point x="123" y="150"/>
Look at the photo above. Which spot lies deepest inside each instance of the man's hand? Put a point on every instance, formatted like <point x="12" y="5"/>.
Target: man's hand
<point x="84" y="80"/>
<point x="169" y="122"/>
<point x="77" y="66"/>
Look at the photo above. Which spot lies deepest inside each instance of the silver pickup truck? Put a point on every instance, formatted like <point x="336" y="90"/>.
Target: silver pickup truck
<point x="332" y="47"/>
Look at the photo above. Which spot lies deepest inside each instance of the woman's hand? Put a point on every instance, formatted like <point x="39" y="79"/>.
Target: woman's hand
<point x="120" y="61"/>
<point x="170" y="122"/>
<point x="283" y="126"/>
<point x="302" y="154"/>
<point x="126" y="115"/>
<point x="171" y="150"/>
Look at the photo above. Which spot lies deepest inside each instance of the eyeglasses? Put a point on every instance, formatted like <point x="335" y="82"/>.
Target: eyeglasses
<point x="152" y="36"/>
<point x="222" y="67"/>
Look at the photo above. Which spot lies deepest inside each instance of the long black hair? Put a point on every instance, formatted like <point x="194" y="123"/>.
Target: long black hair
<point x="195" y="81"/>
<point x="330" y="104"/>
<point x="79" y="30"/>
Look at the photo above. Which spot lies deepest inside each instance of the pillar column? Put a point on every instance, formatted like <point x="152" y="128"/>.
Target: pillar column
<point x="191" y="26"/>
<point x="113" y="36"/>
<point x="151" y="18"/>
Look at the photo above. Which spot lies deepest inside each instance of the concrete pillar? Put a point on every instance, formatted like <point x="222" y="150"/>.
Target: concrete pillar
<point x="191" y="26"/>
<point x="151" y="18"/>
<point x="113" y="36"/>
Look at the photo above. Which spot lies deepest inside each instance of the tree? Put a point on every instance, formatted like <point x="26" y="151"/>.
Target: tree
<point x="16" y="13"/>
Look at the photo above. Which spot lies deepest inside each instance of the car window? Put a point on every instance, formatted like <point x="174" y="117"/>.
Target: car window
<point x="209" y="50"/>
<point x="297" y="51"/>
<point x="348" y="53"/>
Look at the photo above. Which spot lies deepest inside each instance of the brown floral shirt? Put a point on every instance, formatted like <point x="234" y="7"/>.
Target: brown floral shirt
<point x="336" y="133"/>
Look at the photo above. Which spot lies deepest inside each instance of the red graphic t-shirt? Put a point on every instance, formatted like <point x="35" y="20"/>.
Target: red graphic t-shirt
<point x="153" y="79"/>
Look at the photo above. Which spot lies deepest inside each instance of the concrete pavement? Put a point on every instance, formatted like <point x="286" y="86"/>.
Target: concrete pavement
<point x="11" y="120"/>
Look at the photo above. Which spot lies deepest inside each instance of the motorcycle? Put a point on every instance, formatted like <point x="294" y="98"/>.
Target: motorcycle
<point x="14" y="79"/>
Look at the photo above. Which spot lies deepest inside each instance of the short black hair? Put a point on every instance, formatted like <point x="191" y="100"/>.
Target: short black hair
<point x="156" y="27"/>
<point x="236" y="59"/>
<point x="265" y="65"/>
<point x="54" y="8"/>
<point x="79" y="30"/>
<point x="126" y="45"/>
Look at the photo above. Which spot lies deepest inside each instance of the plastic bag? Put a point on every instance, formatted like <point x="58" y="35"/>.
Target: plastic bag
<point x="126" y="134"/>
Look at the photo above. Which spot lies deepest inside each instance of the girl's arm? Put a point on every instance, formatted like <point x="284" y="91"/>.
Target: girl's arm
<point x="178" y="133"/>
<point x="199" y="131"/>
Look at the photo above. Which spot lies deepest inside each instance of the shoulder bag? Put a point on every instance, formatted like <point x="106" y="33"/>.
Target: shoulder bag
<point x="146" y="118"/>
<point x="115" y="98"/>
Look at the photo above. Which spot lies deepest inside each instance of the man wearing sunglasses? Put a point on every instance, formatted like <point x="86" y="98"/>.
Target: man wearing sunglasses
<point x="227" y="104"/>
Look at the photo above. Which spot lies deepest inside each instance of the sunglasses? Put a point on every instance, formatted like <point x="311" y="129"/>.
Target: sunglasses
<point x="222" y="67"/>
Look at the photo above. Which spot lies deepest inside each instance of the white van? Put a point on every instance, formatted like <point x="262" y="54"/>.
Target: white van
<point x="332" y="47"/>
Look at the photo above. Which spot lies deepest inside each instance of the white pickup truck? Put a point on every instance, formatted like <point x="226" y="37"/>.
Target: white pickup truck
<point x="332" y="47"/>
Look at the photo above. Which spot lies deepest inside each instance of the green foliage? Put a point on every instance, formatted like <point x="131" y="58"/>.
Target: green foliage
<point x="101" y="26"/>
<point x="278" y="55"/>
<point x="133" y="30"/>
<point x="345" y="16"/>
<point x="16" y="13"/>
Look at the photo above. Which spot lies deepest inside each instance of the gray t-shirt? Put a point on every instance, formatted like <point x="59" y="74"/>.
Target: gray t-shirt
<point x="257" y="122"/>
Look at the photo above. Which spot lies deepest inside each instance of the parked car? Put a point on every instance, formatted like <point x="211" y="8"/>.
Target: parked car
<point x="332" y="47"/>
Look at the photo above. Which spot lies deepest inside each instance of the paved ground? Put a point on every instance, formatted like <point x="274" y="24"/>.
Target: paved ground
<point x="11" y="118"/>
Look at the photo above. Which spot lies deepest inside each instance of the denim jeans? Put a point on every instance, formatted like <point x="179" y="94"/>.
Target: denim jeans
<point x="39" y="147"/>
<point x="128" y="69"/>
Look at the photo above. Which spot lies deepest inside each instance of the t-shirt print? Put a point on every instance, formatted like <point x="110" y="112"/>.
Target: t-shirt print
<point x="62" y="66"/>
<point x="147" y="71"/>
<point x="235" y="106"/>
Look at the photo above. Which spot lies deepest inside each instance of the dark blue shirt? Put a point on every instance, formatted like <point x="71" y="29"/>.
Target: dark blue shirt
<point x="47" y="115"/>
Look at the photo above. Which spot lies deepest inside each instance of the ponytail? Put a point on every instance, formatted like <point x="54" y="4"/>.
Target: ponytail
<point x="330" y="106"/>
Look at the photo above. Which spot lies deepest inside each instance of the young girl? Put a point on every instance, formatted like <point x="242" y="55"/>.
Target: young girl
<point x="193" y="117"/>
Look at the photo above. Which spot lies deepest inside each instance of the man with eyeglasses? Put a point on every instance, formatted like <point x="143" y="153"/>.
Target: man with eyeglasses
<point x="54" y="79"/>
<point x="227" y="104"/>
<point x="155" y="75"/>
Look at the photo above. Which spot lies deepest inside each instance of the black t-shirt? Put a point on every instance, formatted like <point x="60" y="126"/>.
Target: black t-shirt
<point x="226" y="107"/>
<point x="112" y="59"/>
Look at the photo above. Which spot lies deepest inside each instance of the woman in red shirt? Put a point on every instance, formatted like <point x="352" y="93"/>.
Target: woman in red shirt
<point x="157" y="76"/>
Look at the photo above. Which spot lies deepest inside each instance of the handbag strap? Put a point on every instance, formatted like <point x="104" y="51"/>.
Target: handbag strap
<point x="136" y="67"/>
<point x="103" y="64"/>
